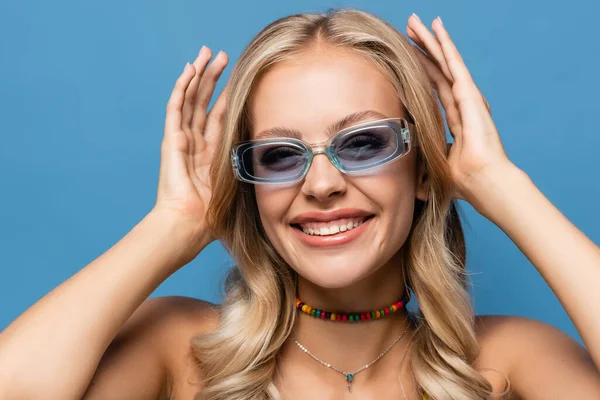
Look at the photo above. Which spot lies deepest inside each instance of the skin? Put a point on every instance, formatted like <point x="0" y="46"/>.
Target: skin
<point x="366" y="273"/>
<point x="139" y="349"/>
<point x="325" y="85"/>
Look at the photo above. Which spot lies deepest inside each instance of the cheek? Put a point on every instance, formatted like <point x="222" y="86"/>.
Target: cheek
<point x="398" y="194"/>
<point x="391" y="187"/>
<point x="273" y="204"/>
<point x="392" y="192"/>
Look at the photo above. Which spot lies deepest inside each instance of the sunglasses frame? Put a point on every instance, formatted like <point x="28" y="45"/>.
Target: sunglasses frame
<point x="400" y="126"/>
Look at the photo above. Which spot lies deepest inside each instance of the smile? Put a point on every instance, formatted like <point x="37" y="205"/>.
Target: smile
<point x="331" y="227"/>
<point x="332" y="233"/>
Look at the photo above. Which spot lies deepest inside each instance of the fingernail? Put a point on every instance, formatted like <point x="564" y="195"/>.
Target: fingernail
<point x="417" y="17"/>
<point x="440" y="19"/>
<point x="202" y="49"/>
<point x="186" y="66"/>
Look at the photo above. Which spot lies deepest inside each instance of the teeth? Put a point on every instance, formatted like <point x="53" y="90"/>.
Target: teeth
<point x="332" y="227"/>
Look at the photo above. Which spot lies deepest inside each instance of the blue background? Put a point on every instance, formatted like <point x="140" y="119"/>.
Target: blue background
<point x="83" y="89"/>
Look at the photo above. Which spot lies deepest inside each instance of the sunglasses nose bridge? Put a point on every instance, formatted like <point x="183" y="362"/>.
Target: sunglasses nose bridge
<point x="324" y="149"/>
<point x="319" y="150"/>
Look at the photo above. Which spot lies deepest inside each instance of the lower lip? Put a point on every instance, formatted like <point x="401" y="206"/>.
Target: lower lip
<point x="332" y="240"/>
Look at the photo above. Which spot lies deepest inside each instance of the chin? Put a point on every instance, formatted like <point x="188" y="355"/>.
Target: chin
<point x="335" y="274"/>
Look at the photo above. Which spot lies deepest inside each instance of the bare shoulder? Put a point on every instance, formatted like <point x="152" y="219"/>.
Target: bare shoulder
<point x="148" y="355"/>
<point x="192" y="313"/>
<point x="182" y="319"/>
<point x="541" y="361"/>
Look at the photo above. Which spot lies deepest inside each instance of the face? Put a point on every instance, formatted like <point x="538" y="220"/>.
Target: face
<point x="310" y="94"/>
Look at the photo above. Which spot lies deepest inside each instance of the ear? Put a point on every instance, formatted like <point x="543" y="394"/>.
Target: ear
<point x="422" y="181"/>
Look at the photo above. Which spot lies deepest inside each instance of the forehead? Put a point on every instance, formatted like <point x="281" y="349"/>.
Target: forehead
<point x="317" y="89"/>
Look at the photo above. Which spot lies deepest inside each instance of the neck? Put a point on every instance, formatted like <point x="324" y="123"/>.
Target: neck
<point x="351" y="345"/>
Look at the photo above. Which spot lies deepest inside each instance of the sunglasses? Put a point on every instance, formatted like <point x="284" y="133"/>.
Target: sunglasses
<point x="352" y="151"/>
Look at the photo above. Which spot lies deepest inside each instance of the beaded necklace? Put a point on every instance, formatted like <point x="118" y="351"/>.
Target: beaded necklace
<point x="352" y="317"/>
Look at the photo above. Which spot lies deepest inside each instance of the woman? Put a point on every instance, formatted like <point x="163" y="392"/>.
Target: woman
<point x="329" y="181"/>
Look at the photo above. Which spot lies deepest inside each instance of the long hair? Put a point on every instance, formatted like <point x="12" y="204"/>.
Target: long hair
<point x="239" y="358"/>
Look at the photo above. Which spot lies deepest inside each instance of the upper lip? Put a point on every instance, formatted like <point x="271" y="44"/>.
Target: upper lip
<point x="326" y="216"/>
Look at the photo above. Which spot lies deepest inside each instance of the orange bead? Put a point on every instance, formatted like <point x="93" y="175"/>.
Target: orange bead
<point x="332" y="317"/>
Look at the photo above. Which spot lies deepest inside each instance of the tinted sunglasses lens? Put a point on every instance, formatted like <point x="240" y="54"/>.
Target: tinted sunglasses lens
<point x="272" y="162"/>
<point x="367" y="147"/>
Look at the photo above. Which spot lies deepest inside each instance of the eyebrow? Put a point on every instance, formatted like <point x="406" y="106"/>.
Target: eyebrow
<point x="332" y="129"/>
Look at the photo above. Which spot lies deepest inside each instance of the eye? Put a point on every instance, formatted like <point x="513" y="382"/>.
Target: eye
<point x="364" y="140"/>
<point x="280" y="157"/>
<point x="275" y="154"/>
<point x="363" y="145"/>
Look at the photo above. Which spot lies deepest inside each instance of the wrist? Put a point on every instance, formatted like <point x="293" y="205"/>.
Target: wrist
<point x="184" y="238"/>
<point x="492" y="191"/>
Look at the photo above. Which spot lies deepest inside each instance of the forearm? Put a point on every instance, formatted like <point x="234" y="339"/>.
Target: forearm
<point x="564" y="256"/>
<point x="55" y="346"/>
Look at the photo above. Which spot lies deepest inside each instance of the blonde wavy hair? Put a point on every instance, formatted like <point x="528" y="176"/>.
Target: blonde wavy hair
<point x="239" y="358"/>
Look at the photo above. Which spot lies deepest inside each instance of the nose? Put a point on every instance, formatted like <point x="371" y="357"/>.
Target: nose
<point x="323" y="180"/>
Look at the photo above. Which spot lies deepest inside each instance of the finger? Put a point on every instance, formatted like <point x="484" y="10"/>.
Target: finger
<point x="467" y="95"/>
<point x="431" y="45"/>
<point x="214" y="123"/>
<point x="213" y="129"/>
<point x="204" y="56"/>
<point x="206" y="90"/>
<point x="174" y="141"/>
<point x="413" y="36"/>
<point x="175" y="103"/>
<point x="487" y="104"/>
<point x="457" y="67"/>
<point x="210" y="78"/>
<point x="444" y="91"/>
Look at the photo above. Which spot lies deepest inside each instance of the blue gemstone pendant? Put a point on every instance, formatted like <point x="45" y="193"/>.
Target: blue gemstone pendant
<point x="349" y="379"/>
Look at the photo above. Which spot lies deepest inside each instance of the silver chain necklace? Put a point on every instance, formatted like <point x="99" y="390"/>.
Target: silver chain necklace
<point x="350" y="375"/>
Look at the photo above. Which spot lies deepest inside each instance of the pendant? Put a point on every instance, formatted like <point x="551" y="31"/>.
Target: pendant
<point x="349" y="379"/>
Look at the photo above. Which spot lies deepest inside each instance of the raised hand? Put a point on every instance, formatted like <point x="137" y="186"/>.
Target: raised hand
<point x="477" y="150"/>
<point x="184" y="188"/>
